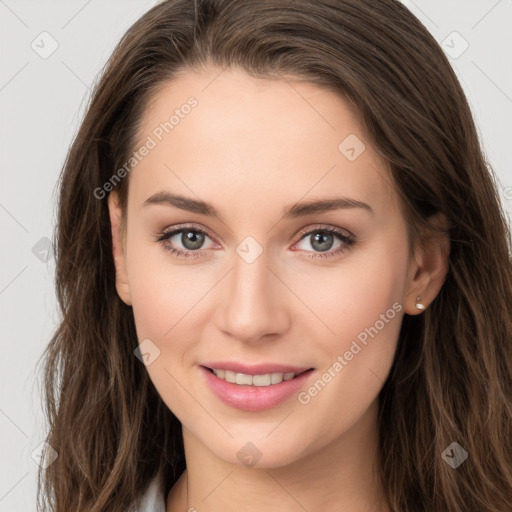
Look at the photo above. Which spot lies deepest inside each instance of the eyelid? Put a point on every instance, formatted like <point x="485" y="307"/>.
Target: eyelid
<point x="165" y="235"/>
<point x="181" y="227"/>
<point x="327" y="228"/>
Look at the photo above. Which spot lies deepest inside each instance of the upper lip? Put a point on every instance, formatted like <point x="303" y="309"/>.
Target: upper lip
<point x="256" y="369"/>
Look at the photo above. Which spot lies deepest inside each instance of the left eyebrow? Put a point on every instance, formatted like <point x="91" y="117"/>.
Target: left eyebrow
<point x="324" y="205"/>
<point x="294" y="211"/>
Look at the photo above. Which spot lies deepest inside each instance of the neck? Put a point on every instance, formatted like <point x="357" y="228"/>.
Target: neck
<point x="342" y="475"/>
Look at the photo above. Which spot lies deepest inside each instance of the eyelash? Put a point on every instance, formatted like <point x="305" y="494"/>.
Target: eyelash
<point x="165" y="236"/>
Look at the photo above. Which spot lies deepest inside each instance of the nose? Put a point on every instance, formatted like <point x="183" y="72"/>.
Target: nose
<point x="255" y="302"/>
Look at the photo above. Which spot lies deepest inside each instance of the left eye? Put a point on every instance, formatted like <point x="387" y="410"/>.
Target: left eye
<point x="322" y="240"/>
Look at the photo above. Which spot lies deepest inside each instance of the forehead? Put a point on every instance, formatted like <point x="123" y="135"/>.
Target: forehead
<point x="215" y="131"/>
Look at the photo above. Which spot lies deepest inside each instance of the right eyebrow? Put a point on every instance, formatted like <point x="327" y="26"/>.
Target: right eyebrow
<point x="184" y="203"/>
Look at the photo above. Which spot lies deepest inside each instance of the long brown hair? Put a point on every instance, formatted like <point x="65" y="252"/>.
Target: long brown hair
<point x="451" y="379"/>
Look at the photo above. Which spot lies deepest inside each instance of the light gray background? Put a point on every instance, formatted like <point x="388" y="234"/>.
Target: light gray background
<point x="41" y="103"/>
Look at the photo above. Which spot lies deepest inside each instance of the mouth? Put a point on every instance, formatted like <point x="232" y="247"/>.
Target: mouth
<point x="262" y="380"/>
<point x="254" y="387"/>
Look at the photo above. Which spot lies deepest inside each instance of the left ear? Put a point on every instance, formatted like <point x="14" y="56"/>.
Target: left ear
<point x="427" y="272"/>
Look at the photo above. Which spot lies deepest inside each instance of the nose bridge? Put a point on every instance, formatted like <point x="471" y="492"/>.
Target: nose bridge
<point x="255" y="306"/>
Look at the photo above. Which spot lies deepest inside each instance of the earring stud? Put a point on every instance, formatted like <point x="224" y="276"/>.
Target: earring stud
<point x="419" y="305"/>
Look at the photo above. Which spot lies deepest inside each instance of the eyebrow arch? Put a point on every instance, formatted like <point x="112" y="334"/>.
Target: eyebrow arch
<point x="324" y="205"/>
<point x="293" y="211"/>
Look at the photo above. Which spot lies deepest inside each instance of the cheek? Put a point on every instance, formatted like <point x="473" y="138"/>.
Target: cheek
<point x="363" y="309"/>
<point x="168" y="317"/>
<point x="164" y="294"/>
<point x="351" y="296"/>
<point x="166" y="303"/>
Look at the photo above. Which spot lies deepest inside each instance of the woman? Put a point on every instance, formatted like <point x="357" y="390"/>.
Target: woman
<point x="284" y="272"/>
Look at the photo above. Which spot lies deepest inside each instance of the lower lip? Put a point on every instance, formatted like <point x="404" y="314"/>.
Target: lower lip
<point x="254" y="398"/>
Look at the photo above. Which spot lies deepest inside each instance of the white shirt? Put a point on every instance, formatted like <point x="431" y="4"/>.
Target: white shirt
<point x="153" y="500"/>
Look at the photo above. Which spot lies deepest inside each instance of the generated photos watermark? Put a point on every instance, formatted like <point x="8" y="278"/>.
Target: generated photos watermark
<point x="304" y="397"/>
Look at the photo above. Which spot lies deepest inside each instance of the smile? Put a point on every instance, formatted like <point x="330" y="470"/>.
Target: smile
<point x="243" y="379"/>
<point x="257" y="391"/>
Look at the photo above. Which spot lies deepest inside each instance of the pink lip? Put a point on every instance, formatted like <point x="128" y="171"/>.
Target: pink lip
<point x="254" y="398"/>
<point x="257" y="369"/>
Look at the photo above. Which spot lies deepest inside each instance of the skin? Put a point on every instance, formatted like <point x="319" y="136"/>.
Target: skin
<point x="251" y="147"/>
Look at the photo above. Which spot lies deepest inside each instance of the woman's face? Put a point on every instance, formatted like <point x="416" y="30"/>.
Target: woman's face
<point x="262" y="288"/>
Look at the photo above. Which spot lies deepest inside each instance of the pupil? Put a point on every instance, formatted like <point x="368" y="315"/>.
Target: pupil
<point x="320" y="240"/>
<point x="192" y="240"/>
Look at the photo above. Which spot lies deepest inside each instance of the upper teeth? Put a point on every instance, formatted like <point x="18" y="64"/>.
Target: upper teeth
<point x="253" y="380"/>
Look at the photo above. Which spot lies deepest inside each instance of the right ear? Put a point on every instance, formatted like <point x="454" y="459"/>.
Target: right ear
<point x="118" y="248"/>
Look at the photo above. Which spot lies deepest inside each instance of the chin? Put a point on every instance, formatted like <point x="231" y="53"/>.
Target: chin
<point x="260" y="451"/>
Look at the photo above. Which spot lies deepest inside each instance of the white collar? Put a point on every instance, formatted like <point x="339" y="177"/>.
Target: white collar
<point x="153" y="500"/>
